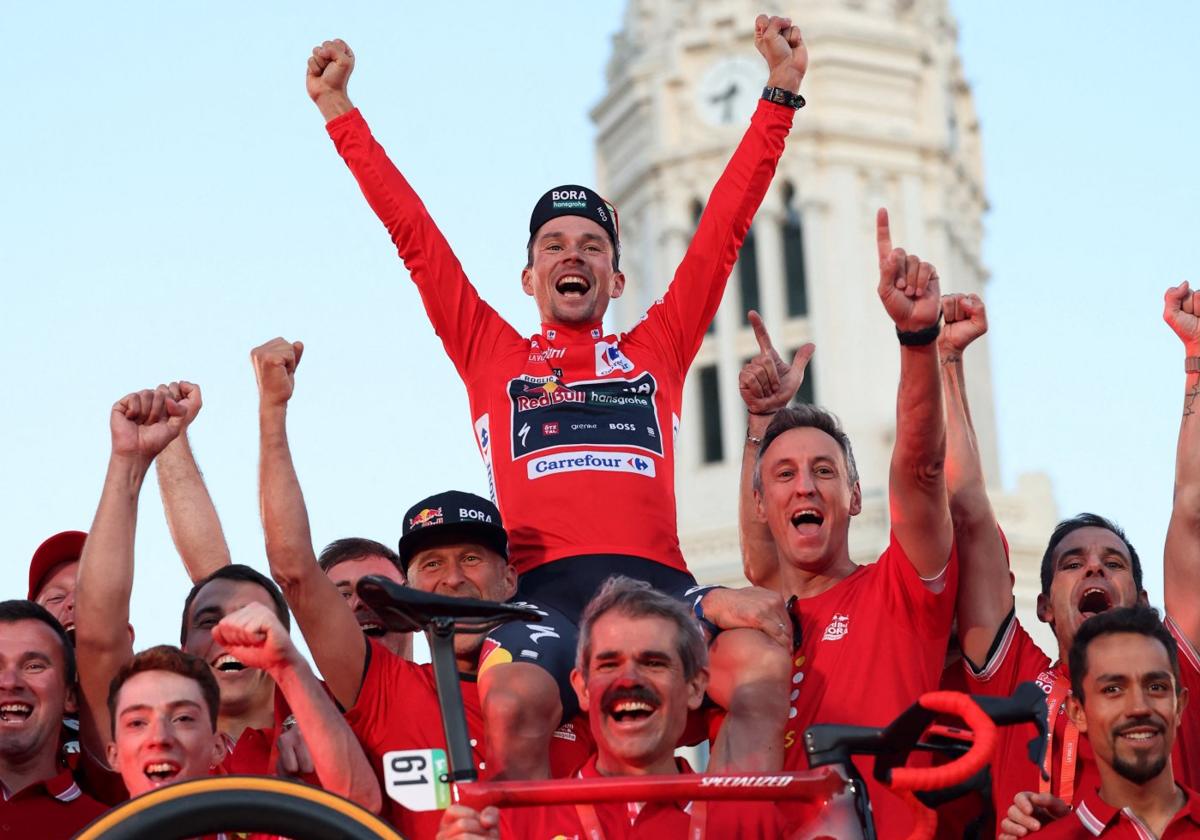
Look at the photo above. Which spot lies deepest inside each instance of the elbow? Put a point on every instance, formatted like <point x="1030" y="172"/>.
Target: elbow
<point x="367" y="794"/>
<point x="1186" y="505"/>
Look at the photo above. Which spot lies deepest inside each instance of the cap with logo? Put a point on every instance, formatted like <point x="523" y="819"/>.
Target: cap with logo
<point x="63" y="547"/>
<point x="574" y="200"/>
<point x="453" y="514"/>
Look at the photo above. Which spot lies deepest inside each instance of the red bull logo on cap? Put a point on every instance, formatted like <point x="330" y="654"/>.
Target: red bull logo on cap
<point x="427" y="516"/>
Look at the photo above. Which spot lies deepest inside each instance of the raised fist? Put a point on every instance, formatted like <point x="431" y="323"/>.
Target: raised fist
<point x="187" y="396"/>
<point x="329" y="69"/>
<point x="275" y="369"/>
<point x="1181" y="310"/>
<point x="767" y="383"/>
<point x="965" y="320"/>
<point x="783" y="49"/>
<point x="908" y="287"/>
<point x="144" y="422"/>
<point x="255" y="637"/>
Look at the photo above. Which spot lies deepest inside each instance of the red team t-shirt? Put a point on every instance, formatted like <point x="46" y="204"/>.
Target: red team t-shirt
<point x="1018" y="659"/>
<point x="53" y="808"/>
<point x="881" y="634"/>
<point x="397" y="709"/>
<point x="573" y="414"/>
<point x="643" y="820"/>
<point x="1094" y="817"/>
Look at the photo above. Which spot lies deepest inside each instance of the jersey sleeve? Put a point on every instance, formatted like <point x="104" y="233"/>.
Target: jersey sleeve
<point x="1187" y="738"/>
<point x="469" y="328"/>
<point x="679" y="320"/>
<point x="1015" y="659"/>
<point x="929" y="608"/>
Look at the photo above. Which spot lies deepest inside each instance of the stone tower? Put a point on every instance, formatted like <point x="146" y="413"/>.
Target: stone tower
<point x="890" y="122"/>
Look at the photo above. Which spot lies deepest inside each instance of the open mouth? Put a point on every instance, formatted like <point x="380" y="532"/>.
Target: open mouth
<point x="1142" y="734"/>
<point x="15" y="712"/>
<point x="69" y="628"/>
<point x="572" y="285"/>
<point x="1093" y="601"/>
<point x="161" y="772"/>
<point x="631" y="705"/>
<point x="807" y="521"/>
<point x="226" y="662"/>
<point x="372" y="628"/>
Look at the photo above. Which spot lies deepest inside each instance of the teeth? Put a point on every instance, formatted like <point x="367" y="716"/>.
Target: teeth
<point x="162" y="767"/>
<point x="1138" y="736"/>
<point x="632" y="706"/>
<point x="228" y="662"/>
<point x="19" y="708"/>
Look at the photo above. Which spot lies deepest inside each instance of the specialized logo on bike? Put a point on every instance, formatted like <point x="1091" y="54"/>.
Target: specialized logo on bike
<point x="548" y="414"/>
<point x="413" y="778"/>
<point x="837" y="629"/>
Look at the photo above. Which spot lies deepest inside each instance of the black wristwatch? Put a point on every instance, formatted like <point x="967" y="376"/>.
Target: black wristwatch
<point x="783" y="96"/>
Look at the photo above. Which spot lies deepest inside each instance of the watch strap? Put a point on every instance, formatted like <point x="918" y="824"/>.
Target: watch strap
<point x="783" y="96"/>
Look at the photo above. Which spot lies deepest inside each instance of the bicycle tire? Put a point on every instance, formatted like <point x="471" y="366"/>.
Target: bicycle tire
<point x="238" y="803"/>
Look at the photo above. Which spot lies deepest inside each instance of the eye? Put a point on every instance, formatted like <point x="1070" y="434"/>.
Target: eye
<point x="135" y="723"/>
<point x="35" y="667"/>
<point x="184" y="718"/>
<point x="785" y="474"/>
<point x="430" y="564"/>
<point x="472" y="560"/>
<point x="825" y="472"/>
<point x="206" y="623"/>
<point x="345" y="593"/>
<point x="1111" y="690"/>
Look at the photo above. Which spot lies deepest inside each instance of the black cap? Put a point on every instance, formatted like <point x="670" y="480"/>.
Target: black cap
<point x="472" y="517"/>
<point x="574" y="200"/>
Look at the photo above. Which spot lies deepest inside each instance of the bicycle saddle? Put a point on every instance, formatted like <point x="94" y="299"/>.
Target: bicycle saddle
<point x="406" y="610"/>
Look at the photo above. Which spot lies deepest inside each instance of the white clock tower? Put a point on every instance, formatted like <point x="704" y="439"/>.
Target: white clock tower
<point x="890" y="122"/>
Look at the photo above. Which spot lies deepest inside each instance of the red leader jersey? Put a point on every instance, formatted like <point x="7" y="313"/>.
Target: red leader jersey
<point x="576" y="428"/>
<point x="642" y="820"/>
<point x="871" y="645"/>
<point x="53" y="809"/>
<point x="397" y="709"/>
<point x="1018" y="659"/>
<point x="1094" y="817"/>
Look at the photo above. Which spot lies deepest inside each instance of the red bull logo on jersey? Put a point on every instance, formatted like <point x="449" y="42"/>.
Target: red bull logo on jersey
<point x="427" y="516"/>
<point x="547" y="394"/>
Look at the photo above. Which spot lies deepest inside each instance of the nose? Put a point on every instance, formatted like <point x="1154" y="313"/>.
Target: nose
<point x="69" y="607"/>
<point x="353" y="601"/>
<point x="804" y="484"/>
<point x="160" y="730"/>
<point x="1095" y="565"/>
<point x="452" y="576"/>
<point x="11" y="677"/>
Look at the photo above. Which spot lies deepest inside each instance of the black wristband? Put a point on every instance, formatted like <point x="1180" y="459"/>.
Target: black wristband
<point x="783" y="96"/>
<point x="919" y="338"/>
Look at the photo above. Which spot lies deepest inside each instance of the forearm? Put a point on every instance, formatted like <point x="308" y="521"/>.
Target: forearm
<point x="191" y="516"/>
<point x="334" y="104"/>
<point x="284" y="515"/>
<point x="760" y="561"/>
<point x="1181" y="556"/>
<point x="339" y="761"/>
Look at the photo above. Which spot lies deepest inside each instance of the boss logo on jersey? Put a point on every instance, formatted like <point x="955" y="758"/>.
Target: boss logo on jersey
<point x="616" y="412"/>
<point x="601" y="461"/>
<point x="610" y="359"/>
<point x="838" y="627"/>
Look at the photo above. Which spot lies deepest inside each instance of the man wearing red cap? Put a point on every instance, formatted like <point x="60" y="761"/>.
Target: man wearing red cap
<point x="573" y="414"/>
<point x="52" y="575"/>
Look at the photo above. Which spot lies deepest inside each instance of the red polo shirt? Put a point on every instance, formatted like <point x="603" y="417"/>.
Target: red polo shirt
<point x="1094" y="817"/>
<point x="54" y="808"/>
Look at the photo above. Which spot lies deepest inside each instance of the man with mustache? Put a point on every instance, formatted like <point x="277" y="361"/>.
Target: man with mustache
<point x="574" y="413"/>
<point x="1129" y="702"/>
<point x="348" y="560"/>
<point x="39" y="796"/>
<point x="641" y="667"/>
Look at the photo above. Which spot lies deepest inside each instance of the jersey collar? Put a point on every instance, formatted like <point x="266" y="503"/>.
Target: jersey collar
<point x="570" y="332"/>
<point x="1097" y="816"/>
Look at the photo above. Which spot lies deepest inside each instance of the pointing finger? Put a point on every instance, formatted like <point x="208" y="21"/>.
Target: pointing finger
<point x="760" y="332"/>
<point x="883" y="235"/>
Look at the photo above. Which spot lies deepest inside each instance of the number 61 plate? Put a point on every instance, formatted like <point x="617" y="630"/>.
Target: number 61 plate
<point x="414" y="779"/>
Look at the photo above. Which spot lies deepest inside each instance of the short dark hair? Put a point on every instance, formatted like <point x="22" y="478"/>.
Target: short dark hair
<point x="355" y="548"/>
<point x="237" y="571"/>
<point x="616" y="260"/>
<point x="21" y="610"/>
<point x="805" y="416"/>
<point x="1085" y="520"/>
<point x="172" y="660"/>
<point x="1143" y="621"/>
<point x="637" y="599"/>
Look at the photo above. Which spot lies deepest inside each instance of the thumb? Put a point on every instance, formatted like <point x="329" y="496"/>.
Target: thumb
<point x="298" y="346"/>
<point x="174" y="409"/>
<point x="804" y="356"/>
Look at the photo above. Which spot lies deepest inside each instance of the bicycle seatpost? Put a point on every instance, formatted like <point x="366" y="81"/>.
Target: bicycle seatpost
<point x="449" y="693"/>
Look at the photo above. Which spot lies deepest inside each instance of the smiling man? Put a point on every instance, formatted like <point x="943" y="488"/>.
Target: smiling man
<point x="574" y="413"/>
<point x="37" y="686"/>
<point x="642" y="666"/>
<point x="1129" y="704"/>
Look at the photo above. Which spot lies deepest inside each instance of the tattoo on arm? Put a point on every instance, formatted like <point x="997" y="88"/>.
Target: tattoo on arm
<point x="951" y="358"/>
<point x="1189" y="399"/>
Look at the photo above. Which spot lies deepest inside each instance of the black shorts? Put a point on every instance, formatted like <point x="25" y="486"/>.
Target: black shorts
<point x="561" y="590"/>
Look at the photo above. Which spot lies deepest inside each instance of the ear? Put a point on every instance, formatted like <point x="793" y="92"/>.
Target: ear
<point x="1044" y="613"/>
<point x="618" y="285"/>
<point x="696" y="688"/>
<point x="527" y="281"/>
<point x="218" y="751"/>
<point x="1143" y="599"/>
<point x="110" y="752"/>
<point x="856" y="499"/>
<point x="1182" y="703"/>
<point x="760" y="512"/>
<point x="510" y="580"/>
<point x="1076" y="714"/>
<point x="580" y="685"/>
<point x="71" y="702"/>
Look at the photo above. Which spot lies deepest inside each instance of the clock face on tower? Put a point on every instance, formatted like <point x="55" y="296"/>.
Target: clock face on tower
<point x="729" y="89"/>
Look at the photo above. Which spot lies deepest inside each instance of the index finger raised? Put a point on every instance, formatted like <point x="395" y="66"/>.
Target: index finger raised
<point x="883" y="234"/>
<point x="760" y="332"/>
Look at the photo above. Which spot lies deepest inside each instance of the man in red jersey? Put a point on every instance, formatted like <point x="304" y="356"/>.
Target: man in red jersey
<point x="880" y="630"/>
<point x="573" y="414"/>
<point x="1128" y="702"/>
<point x="641" y="668"/>
<point x="37" y="687"/>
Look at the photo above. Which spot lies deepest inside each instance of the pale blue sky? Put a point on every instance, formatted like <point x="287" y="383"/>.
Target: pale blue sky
<point x="171" y="200"/>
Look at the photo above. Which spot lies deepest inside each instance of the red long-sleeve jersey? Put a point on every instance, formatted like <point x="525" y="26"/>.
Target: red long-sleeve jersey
<point x="576" y="428"/>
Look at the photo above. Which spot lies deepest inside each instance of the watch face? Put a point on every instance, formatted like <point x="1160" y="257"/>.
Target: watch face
<point x="729" y="90"/>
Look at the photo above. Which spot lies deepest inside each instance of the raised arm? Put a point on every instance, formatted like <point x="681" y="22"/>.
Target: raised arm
<point x="984" y="589"/>
<point x="142" y="424"/>
<point x="329" y="69"/>
<point x="333" y="636"/>
<point x="1181" y="553"/>
<point x="767" y="383"/>
<point x="191" y="516"/>
<point x="917" y="493"/>
<point x="255" y="637"/>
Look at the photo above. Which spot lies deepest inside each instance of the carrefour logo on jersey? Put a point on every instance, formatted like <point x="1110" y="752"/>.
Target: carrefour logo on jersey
<point x="601" y="461"/>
